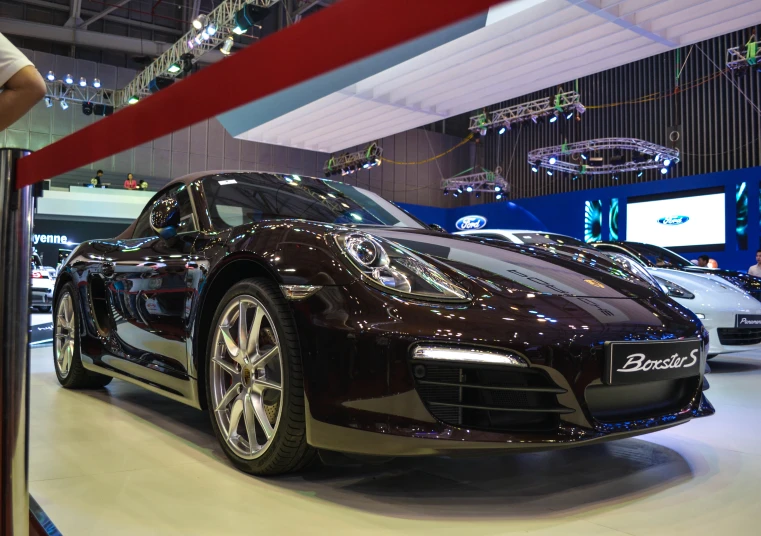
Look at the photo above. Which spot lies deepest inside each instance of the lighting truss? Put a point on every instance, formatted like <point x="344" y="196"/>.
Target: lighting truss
<point x="486" y="181"/>
<point x="577" y="157"/>
<point x="741" y="57"/>
<point x="75" y="93"/>
<point x="350" y="162"/>
<point x="506" y="117"/>
<point x="222" y="17"/>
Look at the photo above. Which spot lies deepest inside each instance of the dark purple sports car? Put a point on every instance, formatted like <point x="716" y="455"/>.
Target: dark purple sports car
<point x="308" y="314"/>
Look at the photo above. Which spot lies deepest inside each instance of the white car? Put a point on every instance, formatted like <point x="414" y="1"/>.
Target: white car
<point x="42" y="289"/>
<point x="731" y="316"/>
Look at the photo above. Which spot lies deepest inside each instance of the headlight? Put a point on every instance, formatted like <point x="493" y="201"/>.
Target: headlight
<point x="634" y="268"/>
<point x="396" y="269"/>
<point x="674" y="290"/>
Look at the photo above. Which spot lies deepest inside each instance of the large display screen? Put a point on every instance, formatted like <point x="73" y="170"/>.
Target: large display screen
<point x="682" y="220"/>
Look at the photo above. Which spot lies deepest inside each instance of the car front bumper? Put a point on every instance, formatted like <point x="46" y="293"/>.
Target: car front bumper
<point x="42" y="297"/>
<point x="725" y="338"/>
<point x="365" y="395"/>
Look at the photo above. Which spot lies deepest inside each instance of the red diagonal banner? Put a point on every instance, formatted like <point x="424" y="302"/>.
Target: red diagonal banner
<point x="342" y="34"/>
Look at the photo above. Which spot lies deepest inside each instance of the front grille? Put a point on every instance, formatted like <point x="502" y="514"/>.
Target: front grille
<point x="615" y="403"/>
<point x="739" y="336"/>
<point x="491" y="398"/>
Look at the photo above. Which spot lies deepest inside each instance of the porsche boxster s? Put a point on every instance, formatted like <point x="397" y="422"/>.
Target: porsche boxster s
<point x="307" y="314"/>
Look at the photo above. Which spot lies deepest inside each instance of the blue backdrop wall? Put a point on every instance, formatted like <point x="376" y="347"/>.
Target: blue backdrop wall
<point x="564" y="213"/>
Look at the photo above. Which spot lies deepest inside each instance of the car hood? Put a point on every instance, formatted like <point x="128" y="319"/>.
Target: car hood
<point x="510" y="268"/>
<point x="711" y="293"/>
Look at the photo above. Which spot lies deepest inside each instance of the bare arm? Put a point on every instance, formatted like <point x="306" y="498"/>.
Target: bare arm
<point x="20" y="94"/>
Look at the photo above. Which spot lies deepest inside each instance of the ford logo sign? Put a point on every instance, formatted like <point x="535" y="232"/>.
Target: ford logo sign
<point x="674" y="220"/>
<point x="467" y="223"/>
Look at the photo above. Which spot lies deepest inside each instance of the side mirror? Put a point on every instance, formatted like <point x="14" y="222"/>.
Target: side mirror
<point x="437" y="227"/>
<point x="165" y="217"/>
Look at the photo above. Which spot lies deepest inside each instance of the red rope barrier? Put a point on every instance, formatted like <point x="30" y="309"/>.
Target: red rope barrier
<point x="344" y="33"/>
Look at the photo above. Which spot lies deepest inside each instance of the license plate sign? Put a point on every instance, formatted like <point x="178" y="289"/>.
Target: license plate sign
<point x="651" y="361"/>
<point x="748" y="321"/>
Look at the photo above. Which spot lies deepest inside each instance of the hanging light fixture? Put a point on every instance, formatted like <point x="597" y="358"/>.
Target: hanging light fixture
<point x="96" y="83"/>
<point x="69" y="79"/>
<point x="82" y="81"/>
<point x="227" y="46"/>
<point x="51" y="76"/>
<point x="199" y="22"/>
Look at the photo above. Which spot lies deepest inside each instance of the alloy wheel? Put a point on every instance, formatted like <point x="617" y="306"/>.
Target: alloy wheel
<point x="246" y="377"/>
<point x="65" y="332"/>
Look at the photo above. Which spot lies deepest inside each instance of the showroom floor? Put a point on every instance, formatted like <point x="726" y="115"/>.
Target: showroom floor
<point x="125" y="461"/>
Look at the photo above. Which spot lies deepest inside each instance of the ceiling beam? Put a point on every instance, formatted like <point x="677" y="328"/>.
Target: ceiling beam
<point x="110" y="18"/>
<point x="594" y="7"/>
<point x="102" y="14"/>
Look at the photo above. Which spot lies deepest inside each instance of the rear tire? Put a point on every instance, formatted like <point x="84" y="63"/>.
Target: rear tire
<point x="256" y="403"/>
<point x="66" y="356"/>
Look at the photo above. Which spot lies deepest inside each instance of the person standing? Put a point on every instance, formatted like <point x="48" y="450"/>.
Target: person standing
<point x="703" y="261"/>
<point x="130" y="183"/>
<point x="22" y="85"/>
<point x="756" y="268"/>
<point x="95" y="181"/>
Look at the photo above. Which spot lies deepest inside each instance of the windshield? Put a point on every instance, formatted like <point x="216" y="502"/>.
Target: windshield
<point x="242" y="198"/>
<point x="658" y="256"/>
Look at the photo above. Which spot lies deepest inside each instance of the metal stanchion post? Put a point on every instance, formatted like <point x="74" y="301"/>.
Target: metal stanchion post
<point x="15" y="249"/>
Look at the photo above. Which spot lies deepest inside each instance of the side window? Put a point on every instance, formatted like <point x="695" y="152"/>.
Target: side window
<point x="187" y="223"/>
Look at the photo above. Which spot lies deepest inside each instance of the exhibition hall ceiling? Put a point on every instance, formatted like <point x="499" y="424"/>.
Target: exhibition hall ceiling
<point x="520" y="47"/>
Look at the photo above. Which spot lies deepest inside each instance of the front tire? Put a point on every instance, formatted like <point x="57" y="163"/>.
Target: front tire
<point x="254" y="381"/>
<point x="66" y="356"/>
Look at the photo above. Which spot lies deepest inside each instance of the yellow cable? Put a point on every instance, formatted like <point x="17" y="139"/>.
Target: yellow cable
<point x="463" y="142"/>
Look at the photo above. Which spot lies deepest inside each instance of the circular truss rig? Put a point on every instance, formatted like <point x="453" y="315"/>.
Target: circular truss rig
<point x="626" y="154"/>
<point x="477" y="183"/>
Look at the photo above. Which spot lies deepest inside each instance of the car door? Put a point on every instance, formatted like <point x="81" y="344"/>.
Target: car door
<point x="149" y="283"/>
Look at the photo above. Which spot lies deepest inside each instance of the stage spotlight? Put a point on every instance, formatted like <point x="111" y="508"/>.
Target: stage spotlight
<point x="666" y="162"/>
<point x="82" y="81"/>
<point x="198" y="39"/>
<point x="446" y="192"/>
<point x="227" y="46"/>
<point x="640" y="174"/>
<point x="575" y="177"/>
<point x="534" y="168"/>
<point x="535" y="119"/>
<point x="583" y="156"/>
<point x="469" y="189"/>
<point x="498" y="197"/>
<point x="159" y="83"/>
<point x="615" y="177"/>
<point x="554" y="118"/>
<point x="133" y="99"/>
<point x="497" y="189"/>
<point x="553" y="160"/>
<point x="246" y="17"/>
<point x="69" y="79"/>
<point x="454" y="194"/>
<point x="174" y="68"/>
<point x="51" y="76"/>
<point x="483" y="132"/>
<point x="569" y="115"/>
<point x="478" y="194"/>
<point x="96" y="83"/>
<point x="211" y="29"/>
<point x="502" y="130"/>
<point x="87" y="108"/>
<point x="64" y="105"/>
<point x="664" y="171"/>
<point x="48" y="102"/>
<point x="205" y="35"/>
<point x="657" y="157"/>
<point x="549" y="172"/>
<point x="191" y="44"/>
<point x="459" y="190"/>
<point x="199" y="22"/>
